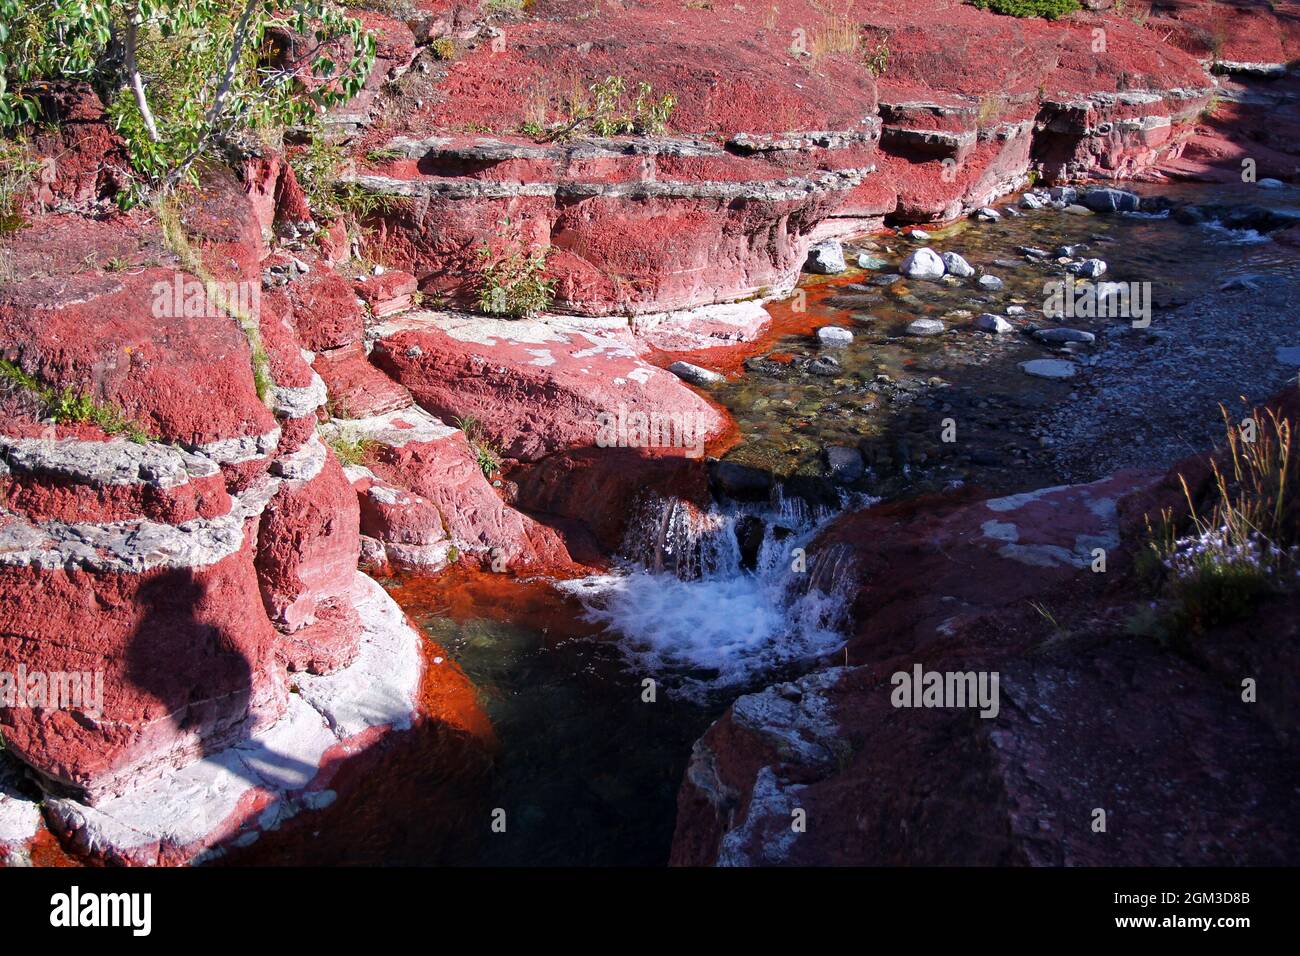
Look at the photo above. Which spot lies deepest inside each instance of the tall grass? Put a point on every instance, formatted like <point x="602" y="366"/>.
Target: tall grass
<point x="1239" y="539"/>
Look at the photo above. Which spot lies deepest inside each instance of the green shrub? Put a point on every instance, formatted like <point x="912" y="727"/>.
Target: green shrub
<point x="66" y="406"/>
<point x="17" y="169"/>
<point x="514" y="284"/>
<point x="1049" y="9"/>
<point x="486" y="451"/>
<point x="349" y="447"/>
<point x="180" y="76"/>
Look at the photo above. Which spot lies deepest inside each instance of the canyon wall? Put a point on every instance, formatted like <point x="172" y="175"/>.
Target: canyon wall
<point x="188" y="529"/>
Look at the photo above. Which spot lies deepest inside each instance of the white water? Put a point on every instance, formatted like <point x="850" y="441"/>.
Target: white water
<point x="687" y="612"/>
<point x="1237" y="237"/>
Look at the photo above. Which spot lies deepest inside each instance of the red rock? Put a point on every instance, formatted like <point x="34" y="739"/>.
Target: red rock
<point x="538" y="387"/>
<point x="889" y="786"/>
<point x="84" y="159"/>
<point x="418" y="453"/>
<point x="357" y="388"/>
<point x="324" y="310"/>
<point x="951" y="585"/>
<point x="407" y="529"/>
<point x="200" y="614"/>
<point x="186" y="379"/>
<point x="386" y="294"/>
<point x="307" y="544"/>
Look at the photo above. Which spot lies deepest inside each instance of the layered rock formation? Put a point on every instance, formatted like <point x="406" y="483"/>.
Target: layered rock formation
<point x="182" y="385"/>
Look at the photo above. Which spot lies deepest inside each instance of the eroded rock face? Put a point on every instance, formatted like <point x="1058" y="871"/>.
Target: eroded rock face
<point x="729" y="203"/>
<point x="538" y="387"/>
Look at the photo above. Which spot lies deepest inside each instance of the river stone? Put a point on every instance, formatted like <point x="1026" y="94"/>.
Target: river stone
<point x="957" y="266"/>
<point x="1058" y="336"/>
<point x="1032" y="201"/>
<point x="826" y="258"/>
<point x="834" y="335"/>
<point x="845" y="463"/>
<point x="1048" y="368"/>
<point x="1065" y="194"/>
<point x="920" y="235"/>
<point x="740" y="481"/>
<point x="1074" y="209"/>
<point x="988" y="214"/>
<point x="990" y="283"/>
<point x="1088" y="268"/>
<point x="1112" y="200"/>
<point x="922" y="264"/>
<point x="924" y="327"/>
<point x="824" y="365"/>
<point x="988" y="322"/>
<point x="866" y="261"/>
<point x="1270" y="183"/>
<point x="695" y="375"/>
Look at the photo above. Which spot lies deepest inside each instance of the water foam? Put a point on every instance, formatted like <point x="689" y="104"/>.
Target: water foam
<point x="687" y="610"/>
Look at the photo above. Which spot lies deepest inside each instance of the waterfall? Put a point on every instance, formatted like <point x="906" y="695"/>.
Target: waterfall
<point x="706" y="599"/>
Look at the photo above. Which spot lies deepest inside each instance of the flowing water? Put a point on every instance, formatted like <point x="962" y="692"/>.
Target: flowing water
<point x="707" y="605"/>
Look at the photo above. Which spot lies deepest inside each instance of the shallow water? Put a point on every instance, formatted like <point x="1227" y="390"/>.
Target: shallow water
<point x="788" y="415"/>
<point x="586" y="768"/>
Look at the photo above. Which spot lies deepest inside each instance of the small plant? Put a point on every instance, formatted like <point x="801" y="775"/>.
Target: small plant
<point x="503" y="6"/>
<point x="1048" y="9"/>
<point x="486" y="451"/>
<point x="836" y="35"/>
<point x="17" y="170"/>
<point x="66" y="406"/>
<point x="349" y="447"/>
<point x="1243" y="544"/>
<point x="383" y="155"/>
<point x="443" y="48"/>
<point x="607" y="113"/>
<point x="514" y="284"/>
<point x="878" y="59"/>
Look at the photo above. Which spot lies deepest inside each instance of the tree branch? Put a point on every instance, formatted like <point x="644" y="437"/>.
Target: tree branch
<point x="133" y="71"/>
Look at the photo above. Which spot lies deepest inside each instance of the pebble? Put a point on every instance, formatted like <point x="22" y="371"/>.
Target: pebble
<point x="845" y="463"/>
<point x="695" y="375"/>
<point x="1048" y="368"/>
<point x="1059" y="336"/>
<point x="826" y="258"/>
<point x="834" y="336"/>
<point x="1088" y="268"/>
<point x="923" y="264"/>
<point x="988" y="322"/>
<point x="957" y="266"/>
<point x="990" y="283"/>
<point x="924" y="327"/>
